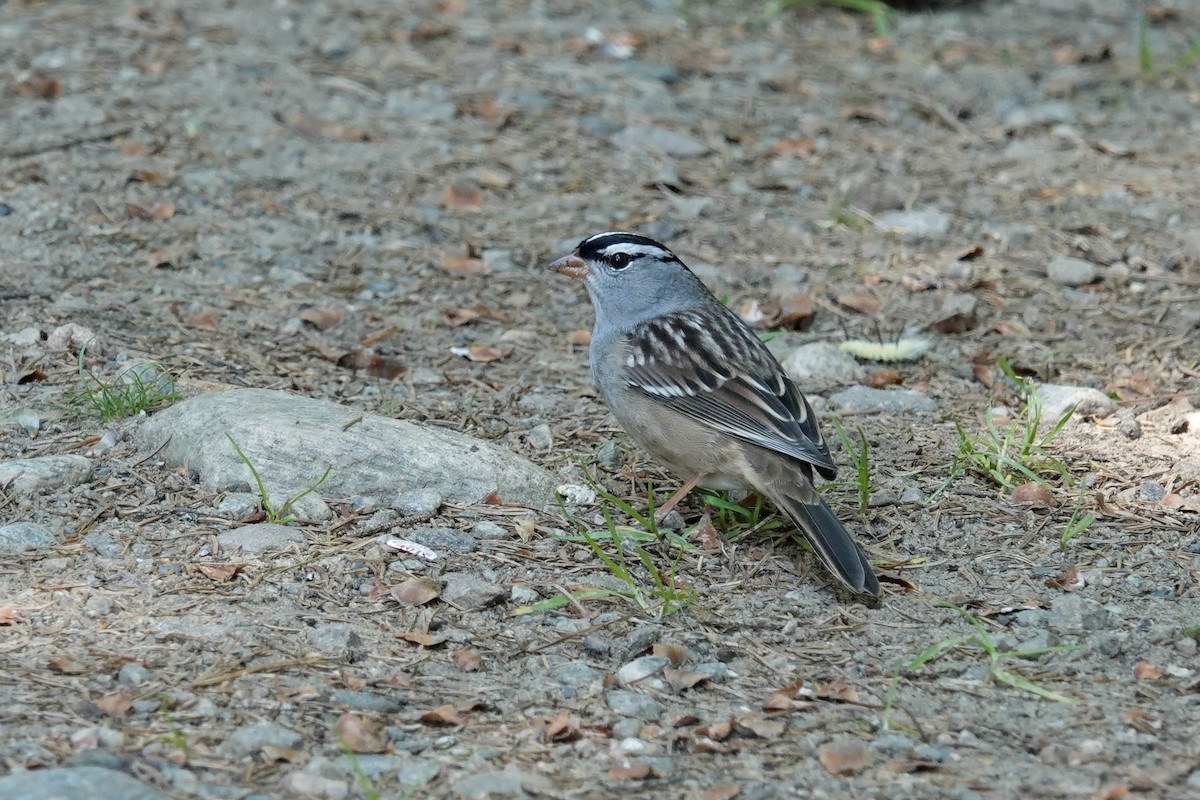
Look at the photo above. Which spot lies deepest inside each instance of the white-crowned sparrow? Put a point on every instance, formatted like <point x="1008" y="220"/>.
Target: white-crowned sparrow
<point x="694" y="386"/>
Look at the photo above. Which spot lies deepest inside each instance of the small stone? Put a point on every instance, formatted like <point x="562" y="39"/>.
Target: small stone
<point x="714" y="671"/>
<point x="641" y="668"/>
<point x="418" y="503"/>
<point x="1068" y="271"/>
<point x="1074" y="614"/>
<point x="75" y="783"/>
<point x="261" y="537"/>
<point x="632" y="704"/>
<point x="523" y="595"/>
<point x="892" y="743"/>
<point x="486" y="529"/>
<point x="1057" y="400"/>
<point x="30" y="475"/>
<point x="540" y="437"/>
<point x="820" y="365"/>
<point x="71" y="337"/>
<point x="132" y="674"/>
<point x="103" y="543"/>
<point x="445" y="539"/>
<point x="499" y="261"/>
<point x="249" y="739"/>
<point x="470" y="592"/>
<point x="932" y="753"/>
<point x="916" y="225"/>
<point x="654" y="139"/>
<point x="21" y="536"/>
<point x="1152" y="491"/>
<point x="626" y="728"/>
<point x="365" y="701"/>
<point x="577" y="674"/>
<point x="609" y="454"/>
<point x="1186" y="647"/>
<point x="1032" y="618"/>
<point x="512" y="781"/>
<point x="238" y="505"/>
<point x="1193" y="781"/>
<point x="337" y="639"/>
<point x="306" y="784"/>
<point x="859" y="399"/>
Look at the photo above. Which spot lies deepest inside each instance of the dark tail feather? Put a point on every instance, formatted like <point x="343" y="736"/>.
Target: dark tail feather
<point x="829" y="539"/>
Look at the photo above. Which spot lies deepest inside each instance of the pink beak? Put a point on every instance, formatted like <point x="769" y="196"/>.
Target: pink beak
<point x="570" y="265"/>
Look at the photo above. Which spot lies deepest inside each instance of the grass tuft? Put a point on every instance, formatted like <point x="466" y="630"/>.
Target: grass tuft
<point x="139" y="389"/>
<point x="281" y="514"/>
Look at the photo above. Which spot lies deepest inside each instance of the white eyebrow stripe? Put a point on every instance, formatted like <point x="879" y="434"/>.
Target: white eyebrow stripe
<point x="632" y="249"/>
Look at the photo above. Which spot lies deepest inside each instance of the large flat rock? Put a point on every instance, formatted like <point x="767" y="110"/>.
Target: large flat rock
<point x="291" y="439"/>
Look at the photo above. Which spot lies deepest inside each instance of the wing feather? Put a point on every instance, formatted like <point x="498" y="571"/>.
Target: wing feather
<point x="714" y="370"/>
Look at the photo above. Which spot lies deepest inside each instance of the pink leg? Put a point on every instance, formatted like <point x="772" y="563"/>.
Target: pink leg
<point x="661" y="512"/>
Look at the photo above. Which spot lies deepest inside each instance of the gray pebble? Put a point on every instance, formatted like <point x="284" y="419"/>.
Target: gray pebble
<point x="1057" y="400"/>
<point x="249" y="739"/>
<point x="931" y="752"/>
<point x="132" y="674"/>
<point x="577" y="674"/>
<point x="28" y="475"/>
<point x="364" y="701"/>
<point x="445" y="539"/>
<point x="337" y="639"/>
<point x="715" y="671"/>
<point x="820" y="365"/>
<point x="632" y="704"/>
<point x="1068" y="271"/>
<point x="75" y="783"/>
<point x="860" y="399"/>
<point x="238" y="505"/>
<point x="523" y="595"/>
<point x="103" y="544"/>
<point x="1186" y="647"/>
<point x="21" y="536"/>
<point x="892" y="743"/>
<point x="917" y="224"/>
<point x="626" y="728"/>
<point x="499" y="261"/>
<point x="470" y="592"/>
<point x="641" y="668"/>
<point x="418" y="502"/>
<point x="540" y="437"/>
<point x="1032" y="618"/>
<point x="486" y="529"/>
<point x="1072" y="613"/>
<point x="261" y="537"/>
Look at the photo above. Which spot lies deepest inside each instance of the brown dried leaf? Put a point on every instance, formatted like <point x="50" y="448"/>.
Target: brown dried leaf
<point x="1114" y="792"/>
<point x="445" y="714"/>
<point x="463" y="266"/>
<point x="423" y="639"/>
<point x="162" y="210"/>
<point x="467" y="659"/>
<point x="372" y="364"/>
<point x="10" y="615"/>
<point x="282" y="755"/>
<point x="416" y="591"/>
<point x="201" y="320"/>
<point x="631" y="772"/>
<point x="40" y="86"/>
<point x="1145" y="671"/>
<point x="1141" y="719"/>
<point x="579" y="338"/>
<point x="463" y="194"/>
<point x="484" y="353"/>
<point x="219" y="573"/>
<point x="703" y="744"/>
<point x="864" y="301"/>
<point x="1178" y="502"/>
<point x="360" y="735"/>
<point x="797" y="147"/>
<point x="1033" y="494"/>
<point x="683" y="679"/>
<point x="880" y="378"/>
<point x="718" y="731"/>
<point x="838" y="691"/>
<point x="784" y="699"/>
<point x="146" y="176"/>
<point x="843" y="756"/>
<point x="761" y="726"/>
<point x="796" y="313"/>
<point x="706" y="535"/>
<point x="674" y="651"/>
<point x="323" y="318"/>
<point x="66" y="666"/>
<point x="1114" y="149"/>
<point x="116" y="705"/>
<point x="563" y="728"/>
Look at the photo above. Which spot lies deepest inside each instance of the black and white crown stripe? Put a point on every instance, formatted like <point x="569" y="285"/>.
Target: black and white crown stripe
<point x="603" y="246"/>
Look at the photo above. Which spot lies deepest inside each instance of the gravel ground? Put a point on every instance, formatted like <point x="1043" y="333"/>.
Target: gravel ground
<point x="352" y="202"/>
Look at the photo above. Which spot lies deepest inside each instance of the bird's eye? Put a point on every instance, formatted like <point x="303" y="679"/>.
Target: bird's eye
<point x="620" y="260"/>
